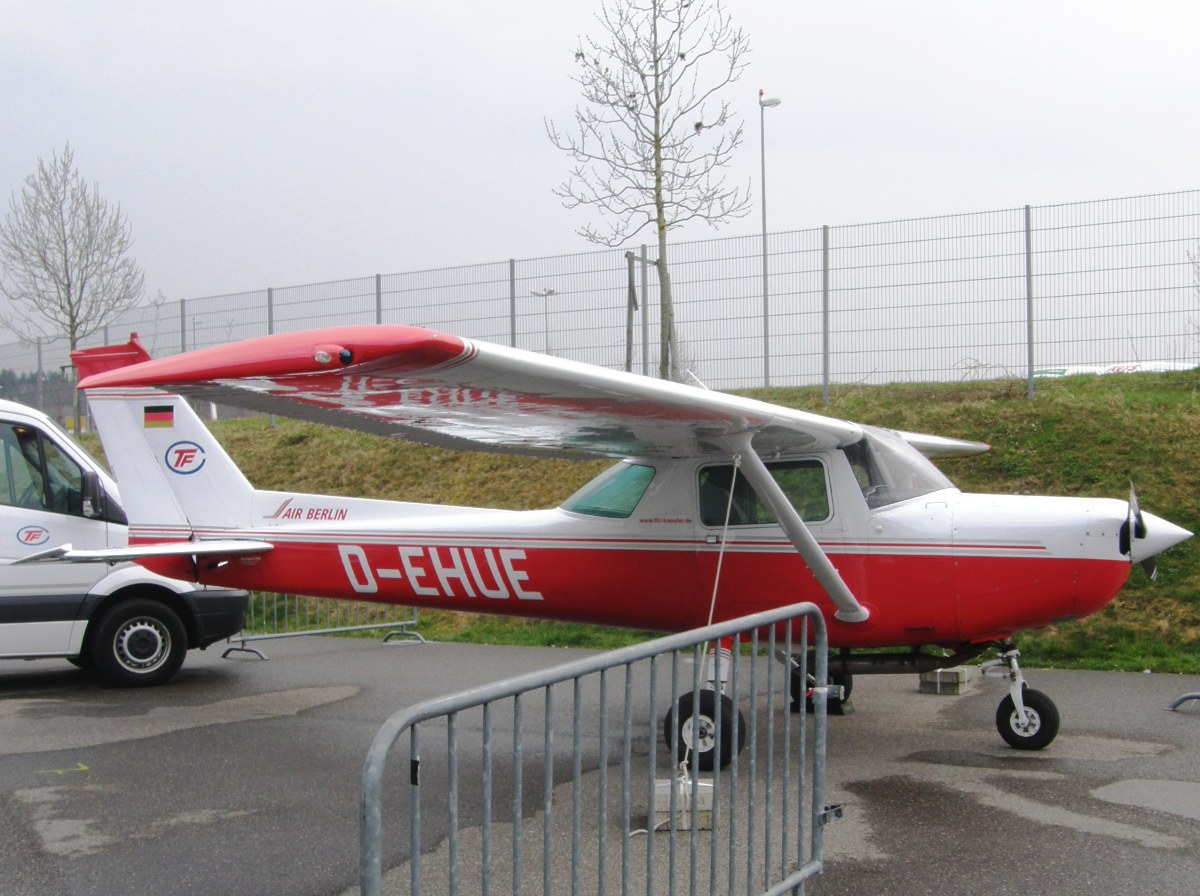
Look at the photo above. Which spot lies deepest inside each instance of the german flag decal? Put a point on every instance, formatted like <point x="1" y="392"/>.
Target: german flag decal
<point x="158" y="416"/>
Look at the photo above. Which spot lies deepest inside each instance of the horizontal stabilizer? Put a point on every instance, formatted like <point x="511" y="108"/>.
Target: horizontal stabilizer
<point x="225" y="546"/>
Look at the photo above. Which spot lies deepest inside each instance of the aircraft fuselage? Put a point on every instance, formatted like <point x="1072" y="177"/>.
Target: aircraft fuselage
<point x="941" y="567"/>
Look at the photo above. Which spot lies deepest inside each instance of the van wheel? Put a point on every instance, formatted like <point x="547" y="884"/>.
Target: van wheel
<point x="139" y="643"/>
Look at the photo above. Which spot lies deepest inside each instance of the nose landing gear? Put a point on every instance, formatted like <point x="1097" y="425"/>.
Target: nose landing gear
<point x="1026" y="719"/>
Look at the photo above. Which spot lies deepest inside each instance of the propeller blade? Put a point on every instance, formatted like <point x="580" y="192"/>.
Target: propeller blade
<point x="1133" y="527"/>
<point x="1137" y="524"/>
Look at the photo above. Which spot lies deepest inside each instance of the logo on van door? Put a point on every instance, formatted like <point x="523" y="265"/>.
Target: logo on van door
<point x="33" y="535"/>
<point x="184" y="458"/>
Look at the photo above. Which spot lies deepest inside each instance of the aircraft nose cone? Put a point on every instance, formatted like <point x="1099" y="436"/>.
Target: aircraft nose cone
<point x="1159" y="536"/>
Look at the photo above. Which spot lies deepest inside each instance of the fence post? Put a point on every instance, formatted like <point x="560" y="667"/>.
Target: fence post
<point x="378" y="298"/>
<point x="645" y="312"/>
<point x="1029" y="297"/>
<point x="183" y="325"/>
<point x="41" y="376"/>
<point x="825" y="314"/>
<point x="766" y="313"/>
<point x="270" y="311"/>
<point x="512" y="302"/>
<point x="631" y="305"/>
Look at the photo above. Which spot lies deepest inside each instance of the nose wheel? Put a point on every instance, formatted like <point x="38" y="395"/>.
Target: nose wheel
<point x="1026" y="719"/>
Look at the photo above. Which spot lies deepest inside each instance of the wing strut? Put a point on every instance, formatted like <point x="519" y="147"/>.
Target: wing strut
<point x="848" y="607"/>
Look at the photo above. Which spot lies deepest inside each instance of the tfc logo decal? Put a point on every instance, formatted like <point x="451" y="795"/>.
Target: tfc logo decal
<point x="32" y="535"/>
<point x="184" y="458"/>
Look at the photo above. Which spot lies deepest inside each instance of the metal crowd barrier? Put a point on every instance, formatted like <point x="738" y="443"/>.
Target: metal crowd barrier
<point x="270" y="616"/>
<point x="503" y="808"/>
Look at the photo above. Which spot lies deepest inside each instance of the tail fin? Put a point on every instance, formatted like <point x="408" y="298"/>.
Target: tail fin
<point x="175" y="478"/>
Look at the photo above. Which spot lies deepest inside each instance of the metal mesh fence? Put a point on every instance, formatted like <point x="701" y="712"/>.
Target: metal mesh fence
<point x="982" y="295"/>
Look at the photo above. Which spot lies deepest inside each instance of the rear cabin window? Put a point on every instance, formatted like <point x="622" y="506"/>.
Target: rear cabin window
<point x="803" y="481"/>
<point x="614" y="493"/>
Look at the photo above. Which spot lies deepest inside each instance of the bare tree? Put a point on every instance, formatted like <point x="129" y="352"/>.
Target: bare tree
<point x="64" y="256"/>
<point x="650" y="143"/>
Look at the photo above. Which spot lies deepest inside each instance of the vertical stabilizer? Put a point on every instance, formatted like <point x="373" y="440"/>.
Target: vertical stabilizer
<point x="174" y="476"/>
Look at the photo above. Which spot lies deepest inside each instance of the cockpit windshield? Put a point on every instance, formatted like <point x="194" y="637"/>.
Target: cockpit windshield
<point x="889" y="470"/>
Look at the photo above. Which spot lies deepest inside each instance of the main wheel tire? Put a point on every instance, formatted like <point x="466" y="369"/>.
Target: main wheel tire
<point x="1043" y="721"/>
<point x="139" y="643"/>
<point x="689" y="726"/>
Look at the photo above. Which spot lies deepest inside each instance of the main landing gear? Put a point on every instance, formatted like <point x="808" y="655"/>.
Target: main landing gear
<point x="710" y="723"/>
<point x="700" y="725"/>
<point x="706" y="725"/>
<point x="1026" y="719"/>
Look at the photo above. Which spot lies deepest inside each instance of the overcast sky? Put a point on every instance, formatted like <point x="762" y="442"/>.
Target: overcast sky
<point x="256" y="144"/>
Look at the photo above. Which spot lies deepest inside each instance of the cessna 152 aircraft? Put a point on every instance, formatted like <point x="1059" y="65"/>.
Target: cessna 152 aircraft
<point x="717" y="505"/>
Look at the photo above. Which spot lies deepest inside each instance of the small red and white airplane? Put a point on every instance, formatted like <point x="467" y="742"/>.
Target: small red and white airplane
<point x="717" y="505"/>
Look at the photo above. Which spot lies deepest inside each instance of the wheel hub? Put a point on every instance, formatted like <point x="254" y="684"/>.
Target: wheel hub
<point x="701" y="736"/>
<point x="1031" y="727"/>
<point x="141" y="645"/>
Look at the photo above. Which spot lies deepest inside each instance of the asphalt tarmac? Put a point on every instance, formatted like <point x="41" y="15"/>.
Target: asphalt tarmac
<point x="243" y="777"/>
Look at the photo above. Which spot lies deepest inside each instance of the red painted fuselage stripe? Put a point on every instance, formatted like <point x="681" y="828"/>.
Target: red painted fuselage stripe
<point x="915" y="598"/>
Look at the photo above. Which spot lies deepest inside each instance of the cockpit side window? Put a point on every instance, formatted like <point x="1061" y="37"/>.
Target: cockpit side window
<point x="803" y="481"/>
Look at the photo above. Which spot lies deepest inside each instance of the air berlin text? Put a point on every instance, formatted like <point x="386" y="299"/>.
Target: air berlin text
<point x="443" y="572"/>
<point x="286" y="511"/>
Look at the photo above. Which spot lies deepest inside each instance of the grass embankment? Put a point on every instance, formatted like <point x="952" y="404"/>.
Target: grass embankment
<point x="1086" y="436"/>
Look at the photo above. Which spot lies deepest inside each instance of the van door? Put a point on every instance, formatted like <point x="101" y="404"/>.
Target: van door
<point x="42" y="506"/>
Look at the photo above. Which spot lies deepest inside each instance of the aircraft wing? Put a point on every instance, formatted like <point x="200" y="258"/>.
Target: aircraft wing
<point x="418" y="384"/>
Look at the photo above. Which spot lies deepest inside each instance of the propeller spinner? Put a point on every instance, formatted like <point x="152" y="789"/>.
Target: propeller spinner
<point x="1144" y="536"/>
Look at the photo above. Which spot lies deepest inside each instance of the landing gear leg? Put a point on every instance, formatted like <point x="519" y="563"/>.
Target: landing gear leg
<point x="802" y="681"/>
<point x="1026" y="719"/>
<point x="692" y="725"/>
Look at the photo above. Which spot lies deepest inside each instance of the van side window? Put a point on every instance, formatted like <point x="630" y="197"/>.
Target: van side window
<point x="22" y="485"/>
<point x="35" y="474"/>
<point x="803" y="481"/>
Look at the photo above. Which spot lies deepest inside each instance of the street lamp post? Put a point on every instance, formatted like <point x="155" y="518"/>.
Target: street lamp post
<point x="545" y="295"/>
<point x="763" y="105"/>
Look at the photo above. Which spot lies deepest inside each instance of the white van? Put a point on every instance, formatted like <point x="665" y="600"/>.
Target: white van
<point x="122" y="620"/>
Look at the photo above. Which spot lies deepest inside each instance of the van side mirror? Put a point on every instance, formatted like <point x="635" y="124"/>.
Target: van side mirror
<point x="92" y="495"/>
